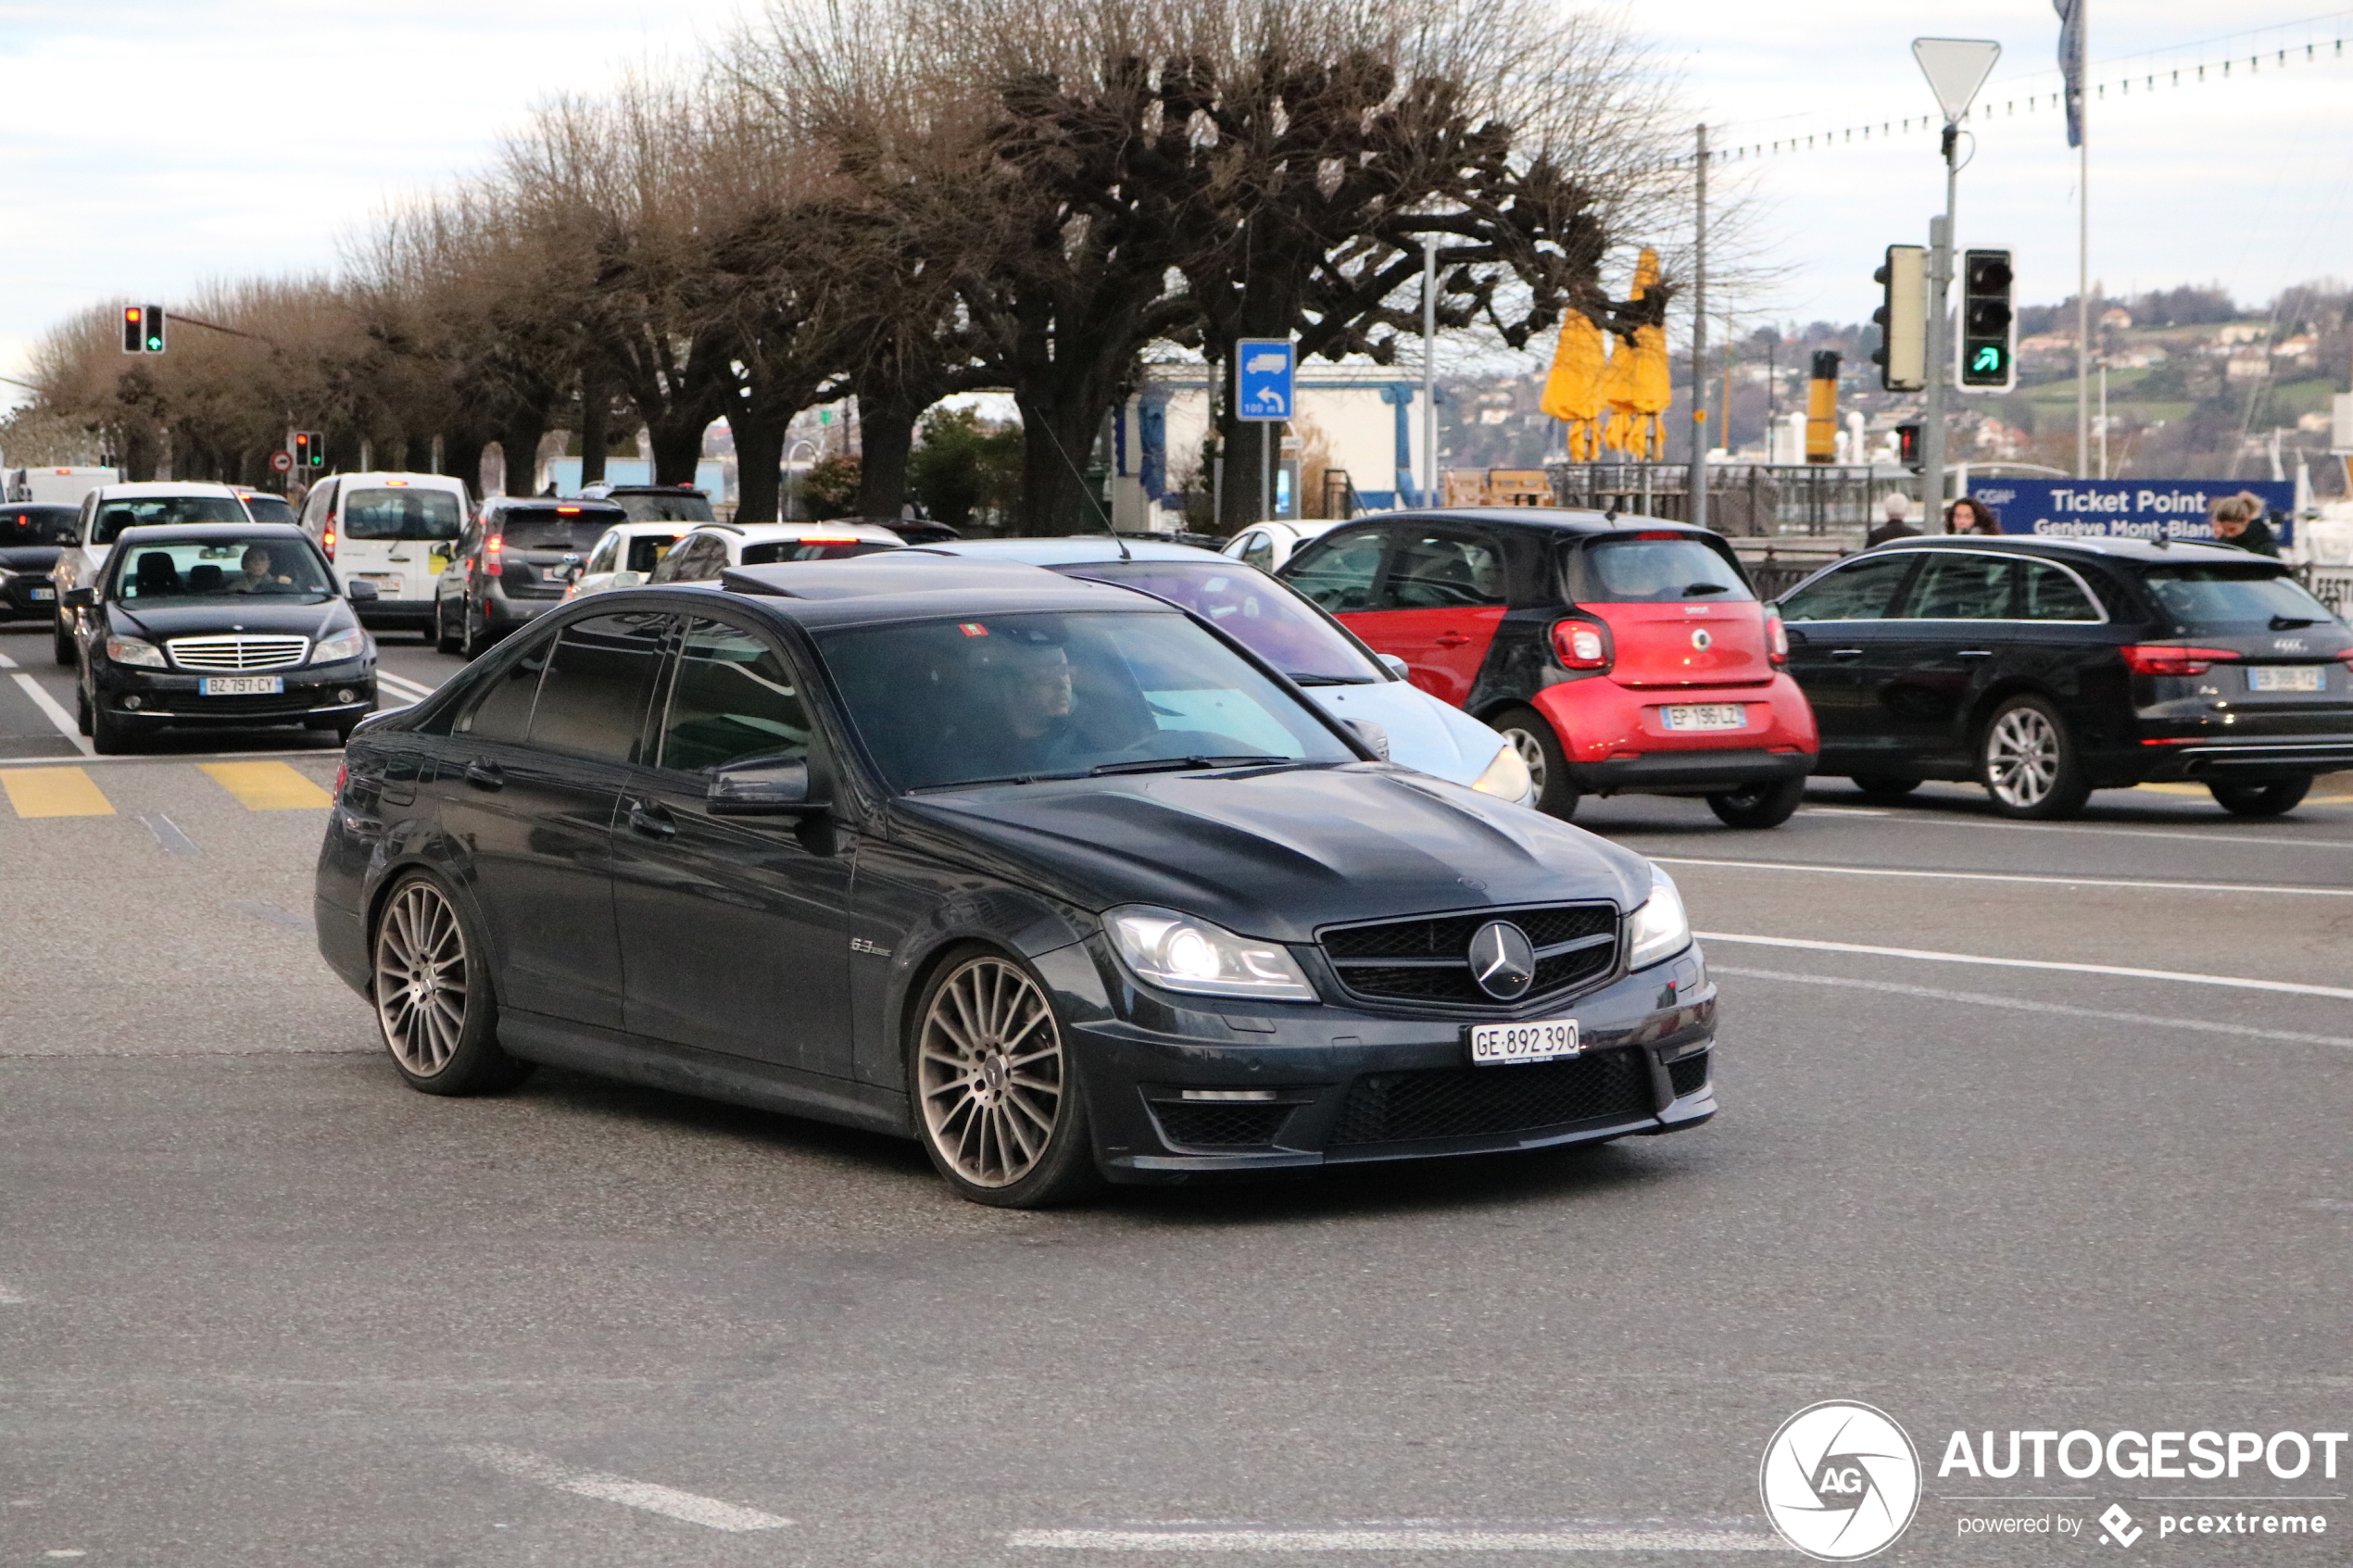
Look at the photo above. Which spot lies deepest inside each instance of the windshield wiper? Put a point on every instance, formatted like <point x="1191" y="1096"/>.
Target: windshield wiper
<point x="1007" y="778"/>
<point x="2289" y="622"/>
<point x="1174" y="764"/>
<point x="1698" y="588"/>
<point x="1303" y="679"/>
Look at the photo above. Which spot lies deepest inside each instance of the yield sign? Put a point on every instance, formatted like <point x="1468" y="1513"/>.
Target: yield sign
<point x="1955" y="68"/>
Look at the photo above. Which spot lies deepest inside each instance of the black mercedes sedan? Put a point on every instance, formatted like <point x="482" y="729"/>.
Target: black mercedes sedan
<point x="219" y="625"/>
<point x="31" y="536"/>
<point x="1066" y="884"/>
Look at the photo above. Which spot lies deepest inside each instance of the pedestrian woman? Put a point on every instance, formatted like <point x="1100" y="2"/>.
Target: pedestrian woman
<point x="2238" y="519"/>
<point x="1969" y="515"/>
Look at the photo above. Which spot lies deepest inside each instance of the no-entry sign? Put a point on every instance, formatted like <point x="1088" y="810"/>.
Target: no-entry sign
<point x="281" y="462"/>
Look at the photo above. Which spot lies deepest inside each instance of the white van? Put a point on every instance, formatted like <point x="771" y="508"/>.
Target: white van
<point x="55" y="487"/>
<point x="396" y="530"/>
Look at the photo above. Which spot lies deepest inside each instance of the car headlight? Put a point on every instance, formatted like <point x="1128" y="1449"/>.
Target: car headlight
<point x="1179" y="953"/>
<point x="1659" y="929"/>
<point x="1508" y="777"/>
<point x="349" y="643"/>
<point x="136" y="650"/>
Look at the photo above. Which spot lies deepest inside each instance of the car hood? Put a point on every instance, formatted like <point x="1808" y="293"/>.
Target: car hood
<point x="1273" y="853"/>
<point x="210" y="616"/>
<point x="27" y="558"/>
<point x="1425" y="733"/>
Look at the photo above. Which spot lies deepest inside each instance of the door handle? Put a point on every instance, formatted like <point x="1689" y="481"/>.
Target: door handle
<point x="486" y="775"/>
<point x="1846" y="653"/>
<point x="1974" y="653"/>
<point x="1452" y="639"/>
<point x="651" y="820"/>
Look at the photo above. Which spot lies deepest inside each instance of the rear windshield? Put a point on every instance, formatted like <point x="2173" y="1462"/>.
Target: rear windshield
<point x="1639" y="571"/>
<point x="37" y="525"/>
<point x="1263" y="615"/>
<point x="270" y="509"/>
<point x="149" y="511"/>
<point x="646" y="550"/>
<point x="810" y="550"/>
<point x="400" y="514"/>
<point x="276" y="568"/>
<point x="682" y="507"/>
<point x="2229" y="598"/>
<point x="546" y="528"/>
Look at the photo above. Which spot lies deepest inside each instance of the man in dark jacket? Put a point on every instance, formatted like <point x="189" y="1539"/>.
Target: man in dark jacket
<point x="1898" y="524"/>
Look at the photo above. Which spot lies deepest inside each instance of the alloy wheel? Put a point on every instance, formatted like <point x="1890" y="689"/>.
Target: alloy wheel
<point x="2023" y="757"/>
<point x="990" y="1072"/>
<point x="1531" y="751"/>
<point x="420" y="979"/>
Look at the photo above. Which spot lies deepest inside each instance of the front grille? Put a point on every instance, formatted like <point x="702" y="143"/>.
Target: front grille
<point x="1460" y="1102"/>
<point x="238" y="652"/>
<point x="1427" y="959"/>
<point x="1220" y="1125"/>
<point x="1689" y="1075"/>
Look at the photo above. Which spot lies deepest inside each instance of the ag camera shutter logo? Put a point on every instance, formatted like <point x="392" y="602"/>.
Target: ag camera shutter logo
<point x="1840" y="1481"/>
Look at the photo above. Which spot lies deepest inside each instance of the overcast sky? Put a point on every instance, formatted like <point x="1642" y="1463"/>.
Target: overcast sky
<point x="146" y="147"/>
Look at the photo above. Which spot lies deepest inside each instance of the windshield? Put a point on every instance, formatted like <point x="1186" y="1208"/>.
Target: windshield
<point x="149" y="511"/>
<point x="1662" y="571"/>
<point x="400" y="514"/>
<point x="646" y="550"/>
<point x="269" y="508"/>
<point x="2233" y="599"/>
<point x="811" y="549"/>
<point x="37" y="525"/>
<point x="1273" y="622"/>
<point x="276" y="568"/>
<point x="1031" y="696"/>
<point x="684" y="506"/>
<point x="550" y="528"/>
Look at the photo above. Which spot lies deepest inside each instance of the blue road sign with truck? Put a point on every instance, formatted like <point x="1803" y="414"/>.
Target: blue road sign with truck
<point x="2126" y="508"/>
<point x="1263" y="368"/>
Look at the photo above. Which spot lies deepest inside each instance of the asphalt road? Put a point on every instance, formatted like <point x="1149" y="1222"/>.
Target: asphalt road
<point x="261" y="1305"/>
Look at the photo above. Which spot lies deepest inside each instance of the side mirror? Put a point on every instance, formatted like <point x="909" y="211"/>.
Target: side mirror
<point x="1375" y="737"/>
<point x="78" y="598"/>
<point x="761" y="786"/>
<point x="359" y="590"/>
<point x="1395" y="665"/>
<point x="627" y="579"/>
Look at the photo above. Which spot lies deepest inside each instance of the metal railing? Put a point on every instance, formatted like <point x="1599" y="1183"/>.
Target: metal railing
<point x="1743" y="499"/>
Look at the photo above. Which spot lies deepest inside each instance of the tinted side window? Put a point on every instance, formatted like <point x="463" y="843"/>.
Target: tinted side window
<point x="1259" y="551"/>
<point x="735" y="696"/>
<point x="502" y="708"/>
<point x="592" y="701"/>
<point x="1436" y="570"/>
<point x="1858" y="591"/>
<point x="1337" y="573"/>
<point x="700" y="558"/>
<point x="1961" y="586"/>
<point x="2051" y="595"/>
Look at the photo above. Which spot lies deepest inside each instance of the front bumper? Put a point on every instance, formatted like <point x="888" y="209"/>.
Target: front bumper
<point x="28" y="596"/>
<point x="313" y="694"/>
<point x="1286" y="1086"/>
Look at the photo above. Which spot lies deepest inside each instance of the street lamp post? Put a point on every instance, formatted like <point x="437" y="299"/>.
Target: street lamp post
<point x="792" y="480"/>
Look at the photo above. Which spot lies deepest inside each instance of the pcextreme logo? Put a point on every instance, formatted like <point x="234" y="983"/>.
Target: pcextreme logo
<point x="1840" y="1481"/>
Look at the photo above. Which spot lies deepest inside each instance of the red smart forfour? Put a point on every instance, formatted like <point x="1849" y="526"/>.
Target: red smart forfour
<point x="1620" y="655"/>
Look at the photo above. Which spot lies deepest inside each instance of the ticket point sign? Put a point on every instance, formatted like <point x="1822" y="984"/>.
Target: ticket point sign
<point x="2126" y="508"/>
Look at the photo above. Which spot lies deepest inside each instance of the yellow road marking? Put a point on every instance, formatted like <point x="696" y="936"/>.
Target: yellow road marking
<point x="55" y="792"/>
<point x="268" y="786"/>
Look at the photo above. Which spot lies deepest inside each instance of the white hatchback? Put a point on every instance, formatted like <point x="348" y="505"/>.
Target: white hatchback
<point x="626" y="556"/>
<point x="1267" y="545"/>
<point x="712" y="547"/>
<point x="397" y="530"/>
<point x="106" y="512"/>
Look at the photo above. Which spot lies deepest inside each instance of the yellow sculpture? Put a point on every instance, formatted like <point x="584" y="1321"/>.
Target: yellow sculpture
<point x="1611" y="395"/>
<point x="1573" y="391"/>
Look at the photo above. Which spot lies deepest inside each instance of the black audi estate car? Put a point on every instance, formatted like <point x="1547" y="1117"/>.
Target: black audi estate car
<point x="31" y="536"/>
<point x="2046" y="669"/>
<point x="219" y="626"/>
<point x="1061" y="882"/>
<point x="514" y="561"/>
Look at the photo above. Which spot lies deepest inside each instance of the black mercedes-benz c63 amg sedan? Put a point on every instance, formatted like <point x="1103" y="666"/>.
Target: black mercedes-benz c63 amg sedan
<point x="1060" y="881"/>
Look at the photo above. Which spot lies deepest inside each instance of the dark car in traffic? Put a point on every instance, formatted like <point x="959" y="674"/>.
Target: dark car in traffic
<point x="1619" y="654"/>
<point x="513" y="563"/>
<point x="2045" y="668"/>
<point x="218" y="626"/>
<point x="655" y="503"/>
<point x="31" y="536"/>
<point x="1065" y="887"/>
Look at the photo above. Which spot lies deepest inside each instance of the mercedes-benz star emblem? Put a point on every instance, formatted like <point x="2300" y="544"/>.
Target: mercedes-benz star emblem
<point x="1503" y="961"/>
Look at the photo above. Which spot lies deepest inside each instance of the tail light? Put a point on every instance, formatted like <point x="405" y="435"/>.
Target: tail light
<point x="343" y="774"/>
<point x="2160" y="660"/>
<point x="1581" y="645"/>
<point x="327" y="539"/>
<point x="1776" y="640"/>
<point x="2345" y="655"/>
<point x="490" y="565"/>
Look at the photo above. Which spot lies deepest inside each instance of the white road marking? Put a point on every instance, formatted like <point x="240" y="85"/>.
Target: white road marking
<point x="414" y="690"/>
<point x="2014" y="876"/>
<point x="669" y="1501"/>
<point x="57" y="715"/>
<point x="1805" y="944"/>
<point x="284" y="754"/>
<point x="7" y="663"/>
<point x="274" y="915"/>
<point x="168" y="834"/>
<point x="1984" y="998"/>
<point x="1398" y="1538"/>
<point x="2222" y="831"/>
<point x="10" y="1297"/>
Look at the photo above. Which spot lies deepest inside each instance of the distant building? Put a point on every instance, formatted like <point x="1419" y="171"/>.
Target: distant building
<point x="2116" y="319"/>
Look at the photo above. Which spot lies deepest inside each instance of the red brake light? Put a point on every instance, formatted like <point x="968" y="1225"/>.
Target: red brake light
<point x="343" y="771"/>
<point x="1581" y="645"/>
<point x="327" y="539"/>
<point x="826" y="539"/>
<point x="2345" y="656"/>
<point x="491" y="567"/>
<point x="566" y="511"/>
<point x="1776" y="640"/>
<point x="1656" y="533"/>
<point x="2160" y="660"/>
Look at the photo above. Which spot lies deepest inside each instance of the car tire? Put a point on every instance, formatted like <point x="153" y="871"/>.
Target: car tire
<point x="472" y="644"/>
<point x="1766" y="804"/>
<point x="996" y="1104"/>
<point x="2030" y="763"/>
<point x="435" y="1009"/>
<point x="443" y="639"/>
<point x="2274" y="798"/>
<point x="1532" y="734"/>
<point x="109" y="735"/>
<point x="61" y="644"/>
<point x="1884" y="788"/>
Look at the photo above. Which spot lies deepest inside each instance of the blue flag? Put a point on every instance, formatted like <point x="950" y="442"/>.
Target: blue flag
<point x="2071" y="55"/>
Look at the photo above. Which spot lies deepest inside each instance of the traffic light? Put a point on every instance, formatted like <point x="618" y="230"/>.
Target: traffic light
<point x="306" y="451"/>
<point x="1989" y="327"/>
<point x="1907" y="445"/>
<point x="155" y="327"/>
<point x="1902" y="355"/>
<point x="318" y="450"/>
<point x="142" y="328"/>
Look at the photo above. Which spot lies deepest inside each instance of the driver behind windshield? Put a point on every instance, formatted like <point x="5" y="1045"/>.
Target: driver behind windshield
<point x="258" y="574"/>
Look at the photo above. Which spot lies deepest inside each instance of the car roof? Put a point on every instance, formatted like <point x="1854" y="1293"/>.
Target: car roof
<point x="2144" y="550"/>
<point x="1558" y="519"/>
<point x="677" y="525"/>
<point x="753" y="532"/>
<point x="653" y="490"/>
<point x="856" y="593"/>
<point x="161" y="533"/>
<point x="398" y="477"/>
<point x="553" y="503"/>
<point x="148" y="489"/>
<point x="1075" y="549"/>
